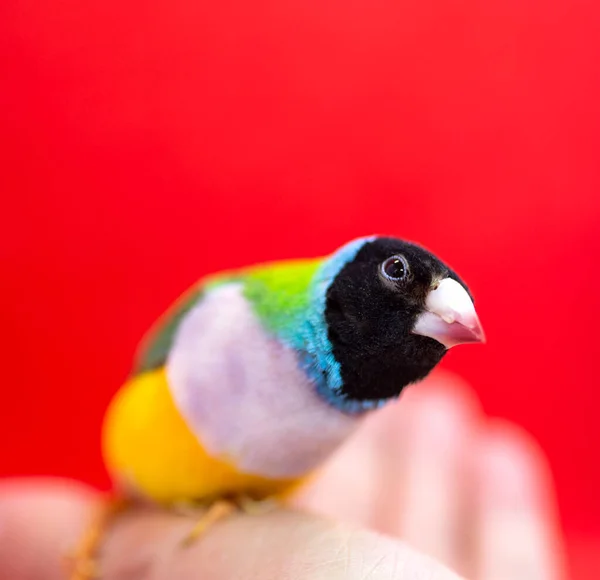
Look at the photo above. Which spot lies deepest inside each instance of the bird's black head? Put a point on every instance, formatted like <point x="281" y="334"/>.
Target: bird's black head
<point x="391" y="312"/>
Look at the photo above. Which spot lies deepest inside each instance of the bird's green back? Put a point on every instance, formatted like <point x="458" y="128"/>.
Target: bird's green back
<point x="278" y="292"/>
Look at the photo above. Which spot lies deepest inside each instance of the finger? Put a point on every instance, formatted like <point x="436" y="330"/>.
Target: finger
<point x="147" y="544"/>
<point x="351" y="484"/>
<point x="441" y="424"/>
<point x="518" y="532"/>
<point x="347" y="488"/>
<point x="364" y="482"/>
<point x="40" y="522"/>
<point x="274" y="546"/>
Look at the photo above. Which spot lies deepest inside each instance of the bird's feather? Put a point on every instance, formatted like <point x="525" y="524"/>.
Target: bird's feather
<point x="277" y="290"/>
<point x="152" y="452"/>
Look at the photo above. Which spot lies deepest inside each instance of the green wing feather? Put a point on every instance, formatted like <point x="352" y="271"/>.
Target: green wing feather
<point x="156" y="345"/>
<point x="278" y="292"/>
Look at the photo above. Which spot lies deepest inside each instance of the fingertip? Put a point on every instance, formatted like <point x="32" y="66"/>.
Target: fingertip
<point x="40" y="521"/>
<point x="442" y="390"/>
<point x="25" y="487"/>
<point x="442" y="414"/>
<point x="339" y="490"/>
<point x="513" y="464"/>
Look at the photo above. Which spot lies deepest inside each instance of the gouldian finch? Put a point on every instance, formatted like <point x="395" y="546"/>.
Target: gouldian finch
<point x="254" y="377"/>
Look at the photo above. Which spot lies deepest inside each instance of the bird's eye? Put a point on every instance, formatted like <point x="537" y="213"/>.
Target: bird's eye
<point x="395" y="268"/>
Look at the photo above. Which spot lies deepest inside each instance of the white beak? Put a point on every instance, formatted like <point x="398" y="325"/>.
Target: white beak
<point x="450" y="317"/>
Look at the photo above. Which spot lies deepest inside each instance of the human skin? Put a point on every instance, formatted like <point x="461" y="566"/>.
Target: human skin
<point x="426" y="486"/>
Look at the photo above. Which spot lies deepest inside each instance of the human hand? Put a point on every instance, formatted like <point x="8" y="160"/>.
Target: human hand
<point x="472" y="494"/>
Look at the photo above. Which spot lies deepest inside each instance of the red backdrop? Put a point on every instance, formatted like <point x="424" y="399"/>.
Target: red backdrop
<point x="144" y="144"/>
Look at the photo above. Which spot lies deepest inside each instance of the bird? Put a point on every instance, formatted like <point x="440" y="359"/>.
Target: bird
<point x="254" y="377"/>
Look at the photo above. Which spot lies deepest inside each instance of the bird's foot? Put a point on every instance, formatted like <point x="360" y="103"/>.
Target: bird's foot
<point x="222" y="508"/>
<point x="83" y="561"/>
<point x="217" y="511"/>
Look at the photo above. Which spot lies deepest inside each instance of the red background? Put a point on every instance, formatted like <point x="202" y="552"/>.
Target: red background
<point x="144" y="144"/>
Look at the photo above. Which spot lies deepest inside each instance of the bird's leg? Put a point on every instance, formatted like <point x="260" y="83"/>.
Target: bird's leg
<point x="216" y="511"/>
<point x="83" y="562"/>
<point x="222" y="508"/>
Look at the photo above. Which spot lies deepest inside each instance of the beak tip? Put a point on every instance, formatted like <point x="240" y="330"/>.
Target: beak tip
<point x="474" y="335"/>
<point x="474" y="328"/>
<point x="478" y="332"/>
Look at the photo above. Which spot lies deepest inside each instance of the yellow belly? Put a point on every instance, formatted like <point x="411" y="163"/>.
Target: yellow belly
<point x="148" y="447"/>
